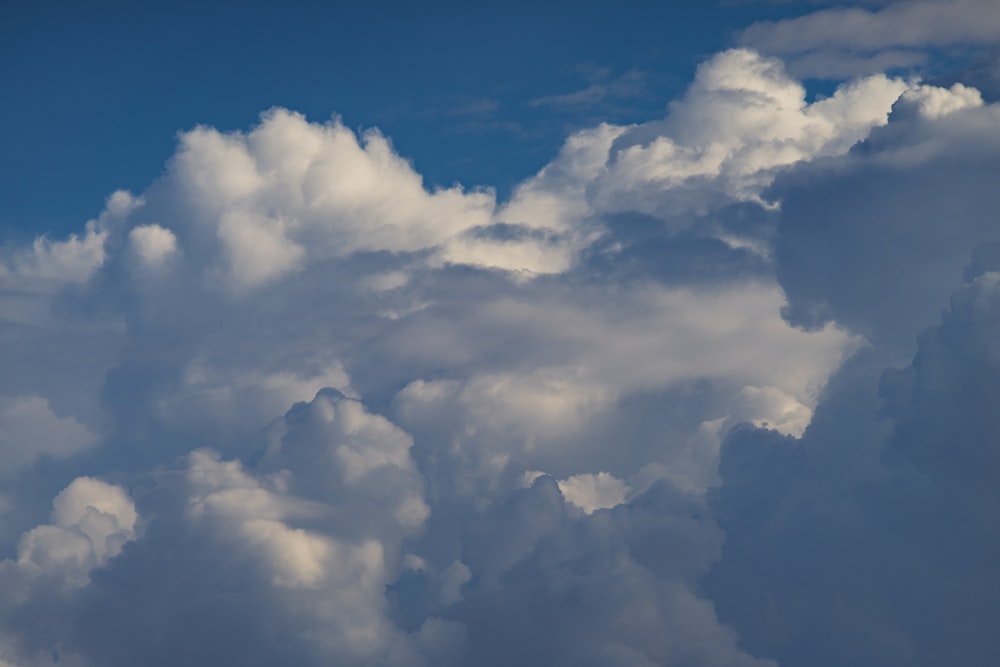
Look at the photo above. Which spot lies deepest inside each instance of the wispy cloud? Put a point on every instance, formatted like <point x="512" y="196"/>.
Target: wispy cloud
<point x="843" y="41"/>
<point x="605" y="87"/>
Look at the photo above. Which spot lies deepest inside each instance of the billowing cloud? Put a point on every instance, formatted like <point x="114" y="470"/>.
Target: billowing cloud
<point x="866" y="541"/>
<point x="295" y="407"/>
<point x="90" y="523"/>
<point x="907" y="240"/>
<point x="741" y="120"/>
<point x="594" y="492"/>
<point x="869" y="543"/>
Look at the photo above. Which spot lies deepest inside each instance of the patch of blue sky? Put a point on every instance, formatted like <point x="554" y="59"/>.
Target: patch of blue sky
<point x="477" y="93"/>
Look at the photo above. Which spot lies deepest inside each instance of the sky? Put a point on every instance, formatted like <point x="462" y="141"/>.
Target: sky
<point x="480" y="95"/>
<point x="559" y="333"/>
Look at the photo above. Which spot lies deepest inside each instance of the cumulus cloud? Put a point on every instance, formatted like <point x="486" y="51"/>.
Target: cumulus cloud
<point x="741" y="120"/>
<point x="91" y="522"/>
<point x="607" y="589"/>
<point x="291" y="192"/>
<point x="863" y="542"/>
<point x="907" y="240"/>
<point x="594" y="492"/>
<point x="153" y="244"/>
<point x="884" y="562"/>
<point x="368" y="422"/>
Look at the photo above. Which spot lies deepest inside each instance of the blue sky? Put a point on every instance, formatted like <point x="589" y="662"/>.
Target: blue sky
<point x="96" y="93"/>
<point x="614" y="335"/>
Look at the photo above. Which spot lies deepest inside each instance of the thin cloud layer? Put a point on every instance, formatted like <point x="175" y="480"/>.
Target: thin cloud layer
<point x="915" y="23"/>
<point x="848" y="41"/>
<point x="294" y="407"/>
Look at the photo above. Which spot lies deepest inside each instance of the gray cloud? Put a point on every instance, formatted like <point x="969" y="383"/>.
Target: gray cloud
<point x="842" y="42"/>
<point x="867" y="542"/>
<point x="862" y="547"/>
<point x="916" y="23"/>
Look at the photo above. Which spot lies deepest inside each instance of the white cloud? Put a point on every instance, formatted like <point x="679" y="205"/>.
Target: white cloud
<point x="256" y="513"/>
<point x="91" y="522"/>
<point x="935" y="102"/>
<point x="742" y="120"/>
<point x="555" y="198"/>
<point x="307" y="530"/>
<point x="257" y="249"/>
<point x="560" y="408"/>
<point x="75" y="259"/>
<point x="594" y="492"/>
<point x="365" y="442"/>
<point x="336" y="195"/>
<point x="72" y="260"/>
<point x="153" y="244"/>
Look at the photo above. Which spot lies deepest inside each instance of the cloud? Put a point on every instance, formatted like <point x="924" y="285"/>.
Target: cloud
<point x="343" y="418"/>
<point x="864" y="542"/>
<point x="594" y="492"/>
<point x="92" y="521"/>
<point x="881" y="563"/>
<point x="869" y="40"/>
<point x="629" y="84"/>
<point x="741" y="121"/>
<point x="916" y="23"/>
<point x="30" y="430"/>
<point x="153" y="244"/>
<point x="906" y="240"/>
<point x="606" y="589"/>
